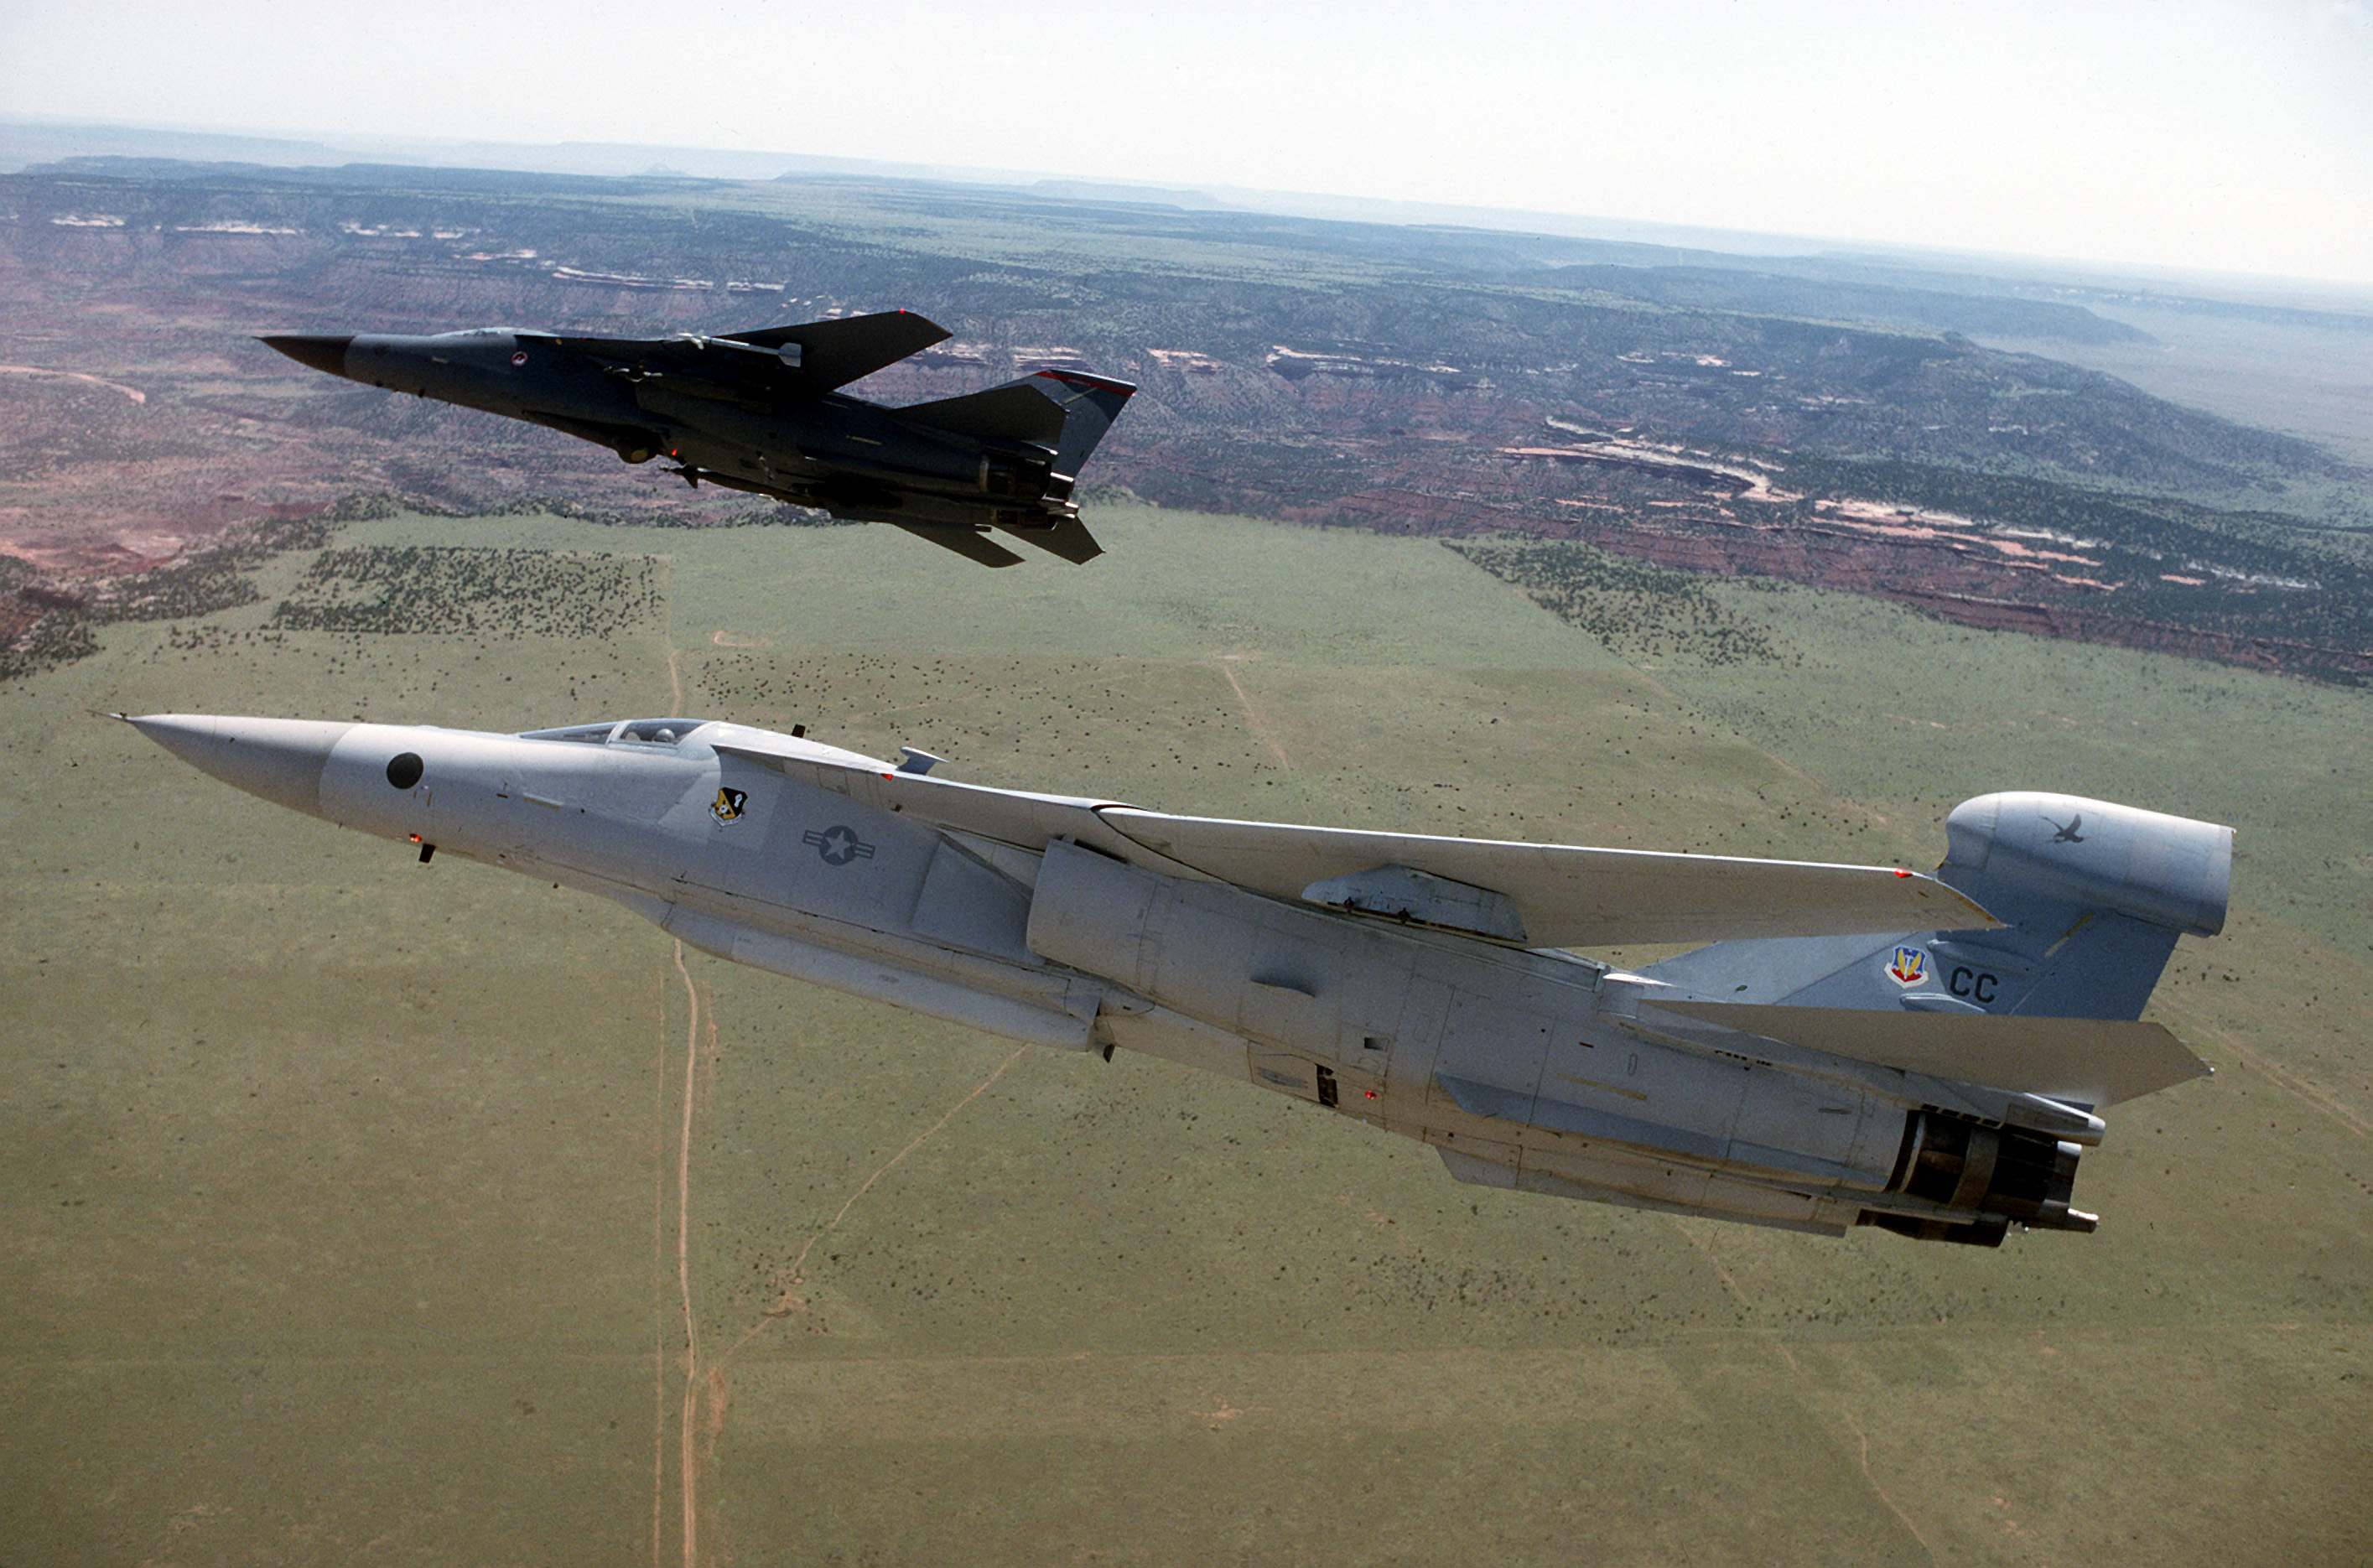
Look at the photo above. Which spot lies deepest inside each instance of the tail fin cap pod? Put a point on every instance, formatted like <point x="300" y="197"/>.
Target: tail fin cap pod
<point x="2169" y="870"/>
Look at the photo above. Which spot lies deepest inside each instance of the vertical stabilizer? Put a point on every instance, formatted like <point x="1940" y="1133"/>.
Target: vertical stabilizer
<point x="2092" y="896"/>
<point x="1090" y="406"/>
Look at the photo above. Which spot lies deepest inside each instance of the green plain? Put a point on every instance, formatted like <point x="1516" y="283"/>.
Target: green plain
<point x="344" y="1198"/>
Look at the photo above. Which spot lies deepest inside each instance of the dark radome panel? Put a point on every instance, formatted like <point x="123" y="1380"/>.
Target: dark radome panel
<point x="325" y="352"/>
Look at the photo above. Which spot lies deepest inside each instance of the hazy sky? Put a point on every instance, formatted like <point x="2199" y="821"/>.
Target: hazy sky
<point x="2223" y="134"/>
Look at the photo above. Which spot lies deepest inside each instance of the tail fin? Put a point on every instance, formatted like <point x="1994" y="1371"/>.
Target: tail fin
<point x="1090" y="406"/>
<point x="1018" y="411"/>
<point x="1066" y="410"/>
<point x="2092" y="896"/>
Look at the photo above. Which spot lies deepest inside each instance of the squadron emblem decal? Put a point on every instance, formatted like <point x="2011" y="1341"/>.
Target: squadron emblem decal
<point x="838" y="845"/>
<point x="728" y="805"/>
<point x="1910" y="968"/>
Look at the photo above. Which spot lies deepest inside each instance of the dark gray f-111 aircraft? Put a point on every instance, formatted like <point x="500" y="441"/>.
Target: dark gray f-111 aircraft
<point x="1856" y="1046"/>
<point x="760" y="410"/>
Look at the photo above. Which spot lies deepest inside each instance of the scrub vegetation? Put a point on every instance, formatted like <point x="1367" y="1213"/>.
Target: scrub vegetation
<point x="474" y="591"/>
<point x="359" y="1209"/>
<point x="1875" y="427"/>
<point x="431" y="1214"/>
<point x="1635" y="609"/>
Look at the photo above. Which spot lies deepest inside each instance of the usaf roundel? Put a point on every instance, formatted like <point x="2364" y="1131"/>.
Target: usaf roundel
<point x="838" y="845"/>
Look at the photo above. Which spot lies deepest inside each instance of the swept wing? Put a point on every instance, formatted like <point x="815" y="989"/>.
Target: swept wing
<point x="1563" y="896"/>
<point x="804" y="360"/>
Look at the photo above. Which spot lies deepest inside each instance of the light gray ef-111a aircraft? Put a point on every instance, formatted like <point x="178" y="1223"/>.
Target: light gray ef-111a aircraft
<point x="760" y="410"/>
<point x="1857" y="1046"/>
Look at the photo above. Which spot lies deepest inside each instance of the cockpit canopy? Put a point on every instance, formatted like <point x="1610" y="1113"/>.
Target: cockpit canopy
<point x="621" y="732"/>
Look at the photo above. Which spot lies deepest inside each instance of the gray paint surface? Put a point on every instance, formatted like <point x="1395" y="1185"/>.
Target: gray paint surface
<point x="1374" y="973"/>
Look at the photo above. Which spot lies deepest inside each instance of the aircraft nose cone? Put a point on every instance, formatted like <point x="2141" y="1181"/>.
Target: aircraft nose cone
<point x="324" y="351"/>
<point x="279" y="759"/>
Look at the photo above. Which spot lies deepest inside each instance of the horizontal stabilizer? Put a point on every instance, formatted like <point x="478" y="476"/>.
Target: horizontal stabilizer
<point x="1565" y="895"/>
<point x="835" y="353"/>
<point x="1017" y="411"/>
<point x="969" y="543"/>
<point x="2087" y="1061"/>
<point x="1064" y="537"/>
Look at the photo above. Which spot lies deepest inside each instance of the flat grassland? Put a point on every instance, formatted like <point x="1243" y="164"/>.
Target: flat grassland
<point x="359" y="1211"/>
